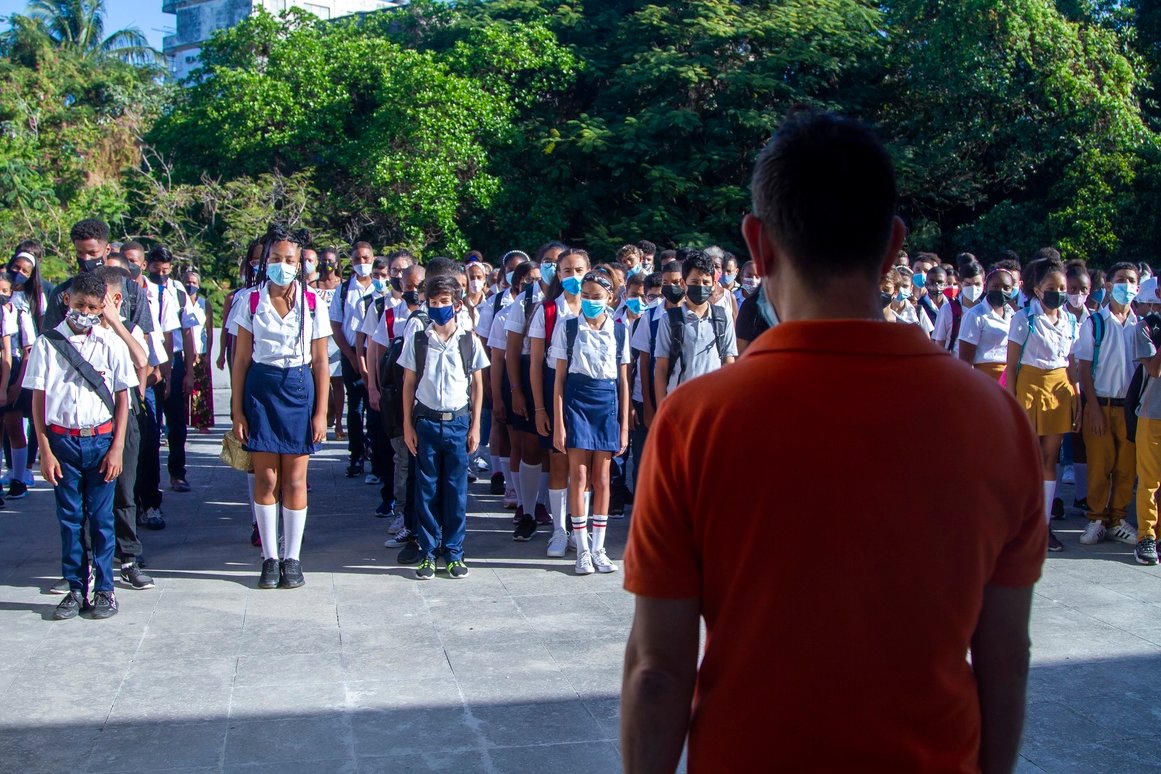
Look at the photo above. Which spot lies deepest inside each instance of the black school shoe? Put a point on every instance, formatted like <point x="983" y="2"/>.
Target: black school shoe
<point x="525" y="529"/>
<point x="497" y="484"/>
<point x="104" y="605"/>
<point x="1054" y="544"/>
<point x="355" y="469"/>
<point x="17" y="490"/>
<point x="1057" y="508"/>
<point x="411" y="554"/>
<point x="270" y="575"/>
<point x="69" y="607"/>
<point x="291" y="575"/>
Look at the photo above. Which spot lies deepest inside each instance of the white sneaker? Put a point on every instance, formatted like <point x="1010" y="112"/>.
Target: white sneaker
<point x="372" y="480"/>
<point x="510" y="498"/>
<point x="1094" y="532"/>
<point x="399" y="540"/>
<point x="396" y="525"/>
<point x="602" y="562"/>
<point x="28" y="479"/>
<point x="1123" y="533"/>
<point x="572" y="542"/>
<point x="558" y="544"/>
<point x="584" y="564"/>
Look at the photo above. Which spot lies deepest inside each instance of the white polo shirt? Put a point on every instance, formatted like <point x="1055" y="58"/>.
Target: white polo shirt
<point x="537" y="326"/>
<point x="282" y="341"/>
<point x="988" y="330"/>
<point x="18" y="325"/>
<point x="348" y="308"/>
<point x="595" y="353"/>
<point x="444" y="386"/>
<point x="1045" y="345"/>
<point x="69" y="400"/>
<point x="1115" y="366"/>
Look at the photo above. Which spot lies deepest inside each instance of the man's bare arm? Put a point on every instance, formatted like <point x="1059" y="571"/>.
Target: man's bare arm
<point x="1000" y="653"/>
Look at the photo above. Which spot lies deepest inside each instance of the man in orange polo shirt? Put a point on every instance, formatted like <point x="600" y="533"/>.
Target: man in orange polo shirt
<point x="848" y="656"/>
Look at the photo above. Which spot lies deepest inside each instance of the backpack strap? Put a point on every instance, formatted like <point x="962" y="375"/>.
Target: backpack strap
<point x="676" y="319"/>
<point x="956" y="319"/>
<point x="619" y="331"/>
<point x="498" y="304"/>
<point x="466" y="352"/>
<point x="389" y="321"/>
<point x="83" y="367"/>
<point x="718" y="320"/>
<point x="1031" y="322"/>
<point x="571" y="330"/>
<point x="1098" y="337"/>
<point x="254" y="298"/>
<point x="420" y="342"/>
<point x="550" y="317"/>
<point x="311" y="300"/>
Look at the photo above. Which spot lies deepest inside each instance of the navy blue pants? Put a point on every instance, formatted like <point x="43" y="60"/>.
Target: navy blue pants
<point x="442" y="466"/>
<point x="82" y="490"/>
<point x="637" y="438"/>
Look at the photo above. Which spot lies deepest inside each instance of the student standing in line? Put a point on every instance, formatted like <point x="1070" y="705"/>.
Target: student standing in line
<point x="591" y="412"/>
<point x="1107" y="357"/>
<point x="201" y="399"/>
<point x="28" y="303"/>
<point x="562" y="303"/>
<point x="1041" y="370"/>
<point x="443" y="393"/>
<point x="1147" y="351"/>
<point x="80" y="381"/>
<point x="983" y="332"/>
<point x="279" y="399"/>
<point x="346" y="315"/>
<point x="697" y="339"/>
<point x="950" y="317"/>
<point x="330" y="279"/>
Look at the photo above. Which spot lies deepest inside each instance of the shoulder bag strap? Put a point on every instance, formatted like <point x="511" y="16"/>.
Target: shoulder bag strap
<point x="82" y="367"/>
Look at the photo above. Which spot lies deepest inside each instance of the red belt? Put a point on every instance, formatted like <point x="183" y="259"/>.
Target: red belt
<point x="87" y="432"/>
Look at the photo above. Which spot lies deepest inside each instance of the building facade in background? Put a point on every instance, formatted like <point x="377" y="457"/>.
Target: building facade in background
<point x="197" y="20"/>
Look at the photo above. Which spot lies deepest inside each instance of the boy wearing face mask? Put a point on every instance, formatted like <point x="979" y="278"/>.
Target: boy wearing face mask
<point x="949" y="320"/>
<point x="707" y="338"/>
<point x="443" y="393"/>
<point x="1105" y="350"/>
<point x="346" y="315"/>
<point x="80" y="374"/>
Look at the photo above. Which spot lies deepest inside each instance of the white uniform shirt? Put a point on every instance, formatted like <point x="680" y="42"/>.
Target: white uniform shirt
<point x="373" y="322"/>
<point x="195" y="321"/>
<point x="701" y="349"/>
<point x="538" y="325"/>
<point x="498" y="336"/>
<point x="239" y="302"/>
<point x="69" y="400"/>
<point x="278" y="340"/>
<point x="514" y="323"/>
<point x="348" y="307"/>
<point x="1046" y="346"/>
<point x="909" y="315"/>
<point x="20" y="303"/>
<point x="988" y="330"/>
<point x="487" y="312"/>
<point x="941" y="334"/>
<point x="595" y="353"/>
<point x="405" y="325"/>
<point x="1115" y="366"/>
<point x="18" y="325"/>
<point x="444" y="386"/>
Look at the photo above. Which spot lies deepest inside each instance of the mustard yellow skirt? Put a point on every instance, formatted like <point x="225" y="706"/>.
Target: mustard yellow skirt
<point x="1047" y="398"/>
<point x="994" y="370"/>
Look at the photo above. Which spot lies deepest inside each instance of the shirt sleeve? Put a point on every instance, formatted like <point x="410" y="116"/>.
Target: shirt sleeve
<point x="371" y="321"/>
<point x="942" y="323"/>
<point x="514" y="323"/>
<point x="336" y="311"/>
<point x="321" y="326"/>
<point x="625" y="356"/>
<point x="1084" y="343"/>
<point x="124" y="376"/>
<point x="480" y="359"/>
<point x="731" y="339"/>
<point x="663" y="339"/>
<point x="640" y="338"/>
<point x="661" y="557"/>
<point x="243" y="318"/>
<point x="558" y="349"/>
<point x="1143" y="347"/>
<point x="36" y="371"/>
<point x="536" y="328"/>
<point x="407" y="354"/>
<point x="27" y="331"/>
<point x="1018" y="330"/>
<point x="487" y="313"/>
<point x="970" y="327"/>
<point x="498" y="336"/>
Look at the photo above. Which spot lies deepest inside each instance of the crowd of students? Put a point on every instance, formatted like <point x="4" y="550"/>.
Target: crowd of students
<point x="1077" y="346"/>
<point x="555" y="362"/>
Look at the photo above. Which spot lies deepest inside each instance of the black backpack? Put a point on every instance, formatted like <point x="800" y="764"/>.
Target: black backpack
<point x="391" y="373"/>
<point x="677" y="336"/>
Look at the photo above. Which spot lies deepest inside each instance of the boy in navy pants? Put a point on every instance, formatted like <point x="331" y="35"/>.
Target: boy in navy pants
<point x="79" y="374"/>
<point x="443" y="391"/>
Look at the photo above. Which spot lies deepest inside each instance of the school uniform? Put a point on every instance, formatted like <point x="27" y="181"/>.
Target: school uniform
<point x="442" y="418"/>
<point x="592" y="417"/>
<point x="176" y="316"/>
<point x="518" y="318"/>
<point x="538" y="329"/>
<point x="1043" y="387"/>
<point x="1112" y="459"/>
<point x="279" y="393"/>
<point x="987" y="329"/>
<point x="945" y="333"/>
<point x="80" y="432"/>
<point x="491" y="307"/>
<point x="700" y="351"/>
<point x="644" y="340"/>
<point x="325" y="297"/>
<point x="1148" y="439"/>
<point x="18" y="326"/>
<point x="908" y="315"/>
<point x="201" y="403"/>
<point x="347" y="309"/>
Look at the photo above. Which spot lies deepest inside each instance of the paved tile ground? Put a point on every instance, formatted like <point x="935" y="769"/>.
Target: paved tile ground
<point x="516" y="668"/>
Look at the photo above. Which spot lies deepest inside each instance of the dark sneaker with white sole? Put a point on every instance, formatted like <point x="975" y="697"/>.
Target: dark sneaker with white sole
<point x="292" y="577"/>
<point x="1054" y="544"/>
<point x="1146" y="552"/>
<point x="60" y="587"/>
<point x="132" y="576"/>
<point x="17" y="490"/>
<point x="270" y="575"/>
<point x="525" y="529"/>
<point x="104" y="605"/>
<point x="69" y="607"/>
<point x="425" y="570"/>
<point x="457" y="570"/>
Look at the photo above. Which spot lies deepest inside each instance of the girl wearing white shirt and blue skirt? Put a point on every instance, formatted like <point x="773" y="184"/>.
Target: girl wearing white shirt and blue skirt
<point x="591" y="411"/>
<point x="280" y="378"/>
<point x="1041" y="371"/>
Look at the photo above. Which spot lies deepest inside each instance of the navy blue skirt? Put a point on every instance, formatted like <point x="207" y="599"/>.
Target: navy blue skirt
<point x="520" y="423"/>
<point x="549" y="405"/>
<point x="279" y="405"/>
<point x="591" y="418"/>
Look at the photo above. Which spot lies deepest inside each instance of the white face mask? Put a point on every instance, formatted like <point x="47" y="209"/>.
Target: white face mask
<point x="475" y="286"/>
<point x="1077" y="299"/>
<point x="971" y="293"/>
<point x="363" y="269"/>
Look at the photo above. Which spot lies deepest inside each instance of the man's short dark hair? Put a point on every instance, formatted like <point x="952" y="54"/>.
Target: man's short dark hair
<point x="440" y="284"/>
<point x="362" y="246"/>
<point x="824" y="188"/>
<point x="440" y="267"/>
<point x="90" y="228"/>
<point x="114" y="276"/>
<point x="647" y="247"/>
<point x="698" y="260"/>
<point x="1008" y="264"/>
<point x="1124" y="266"/>
<point x="671" y="267"/>
<point x="89" y="284"/>
<point x="665" y="256"/>
<point x="160" y="254"/>
<point x="653" y="281"/>
<point x="132" y="245"/>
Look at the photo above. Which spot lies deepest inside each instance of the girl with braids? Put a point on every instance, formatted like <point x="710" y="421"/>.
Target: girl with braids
<point x="28" y="303"/>
<point x="279" y="405"/>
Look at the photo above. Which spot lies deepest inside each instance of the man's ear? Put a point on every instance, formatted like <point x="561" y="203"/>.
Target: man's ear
<point x="894" y="245"/>
<point x="759" y="245"/>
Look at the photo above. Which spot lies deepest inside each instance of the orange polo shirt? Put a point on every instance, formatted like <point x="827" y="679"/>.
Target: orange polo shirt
<point x="791" y="493"/>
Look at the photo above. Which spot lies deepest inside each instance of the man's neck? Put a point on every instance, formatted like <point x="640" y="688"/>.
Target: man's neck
<point x="363" y="281"/>
<point x="701" y="310"/>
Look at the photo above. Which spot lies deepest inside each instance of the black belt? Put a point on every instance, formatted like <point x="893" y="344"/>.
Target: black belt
<point x="423" y="412"/>
<point x="1111" y="402"/>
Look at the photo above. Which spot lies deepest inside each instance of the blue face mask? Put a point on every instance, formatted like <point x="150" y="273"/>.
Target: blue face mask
<point x="592" y="309"/>
<point x="635" y="270"/>
<point x="281" y="274"/>
<point x="571" y="285"/>
<point x="634" y="305"/>
<point x="1099" y="296"/>
<point x="1124" y="293"/>
<point x="508" y="278"/>
<point x="766" y="308"/>
<point x="919" y="280"/>
<point x="441" y="315"/>
<point x="547" y="272"/>
<point x="378" y="285"/>
<point x="728" y="279"/>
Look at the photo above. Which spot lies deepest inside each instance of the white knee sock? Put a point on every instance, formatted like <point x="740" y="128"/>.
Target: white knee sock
<point x="1080" y="472"/>
<point x="542" y="495"/>
<point x="512" y="478"/>
<point x="588" y="498"/>
<point x="19" y="463"/>
<point x="293" y="525"/>
<point x="558" y="505"/>
<point x="1049" y="495"/>
<point x="267" y="517"/>
<point x="529" y="485"/>
<point x="580" y="533"/>
<point x="599" y="525"/>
